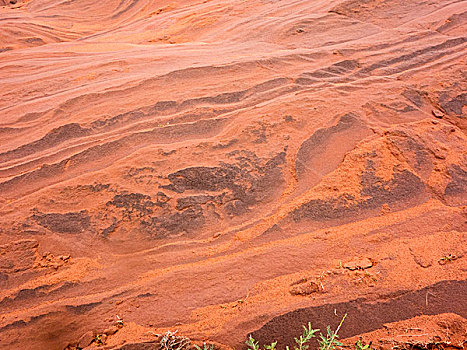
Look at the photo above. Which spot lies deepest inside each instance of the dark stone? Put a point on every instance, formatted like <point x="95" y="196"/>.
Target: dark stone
<point x="248" y="180"/>
<point x="185" y="202"/>
<point x="133" y="203"/>
<point x="76" y="222"/>
<point x="415" y="96"/>
<point x="402" y="187"/>
<point x="83" y="308"/>
<point x="180" y="222"/>
<point x="455" y="105"/>
<point x="109" y="229"/>
<point x="458" y="183"/>
<point x="236" y="208"/>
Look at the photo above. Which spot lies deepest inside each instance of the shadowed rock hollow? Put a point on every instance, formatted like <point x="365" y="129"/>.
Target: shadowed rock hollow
<point x="232" y="167"/>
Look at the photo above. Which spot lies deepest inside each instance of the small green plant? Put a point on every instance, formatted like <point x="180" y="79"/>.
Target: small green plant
<point x="330" y="342"/>
<point x="447" y="259"/>
<point x="361" y="346"/>
<point x="308" y="333"/>
<point x="251" y="343"/>
<point x="205" y="347"/>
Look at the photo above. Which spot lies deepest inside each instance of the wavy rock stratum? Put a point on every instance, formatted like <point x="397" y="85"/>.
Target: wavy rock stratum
<point x="225" y="168"/>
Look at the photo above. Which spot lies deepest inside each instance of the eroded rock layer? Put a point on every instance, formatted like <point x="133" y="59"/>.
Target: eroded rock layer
<point x="231" y="167"/>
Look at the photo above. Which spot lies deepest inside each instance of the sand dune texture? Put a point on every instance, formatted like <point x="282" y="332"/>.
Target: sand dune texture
<point x="225" y="168"/>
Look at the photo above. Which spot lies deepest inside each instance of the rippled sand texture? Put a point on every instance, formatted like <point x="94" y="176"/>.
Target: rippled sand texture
<point x="231" y="167"/>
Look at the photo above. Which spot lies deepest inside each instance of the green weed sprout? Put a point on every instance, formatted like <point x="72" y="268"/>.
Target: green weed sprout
<point x="308" y="333"/>
<point x="361" y="346"/>
<point x="330" y="342"/>
<point x="251" y="343"/>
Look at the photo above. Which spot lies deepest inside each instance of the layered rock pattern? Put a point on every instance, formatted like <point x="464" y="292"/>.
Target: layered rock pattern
<point x="229" y="167"/>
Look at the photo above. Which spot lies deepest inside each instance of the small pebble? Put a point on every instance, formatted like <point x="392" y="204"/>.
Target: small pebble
<point x="437" y="113"/>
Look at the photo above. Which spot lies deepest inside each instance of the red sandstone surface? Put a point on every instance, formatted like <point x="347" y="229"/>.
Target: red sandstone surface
<point x="226" y="168"/>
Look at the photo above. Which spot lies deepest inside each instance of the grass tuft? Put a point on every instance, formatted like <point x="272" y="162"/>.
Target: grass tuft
<point x="326" y="342"/>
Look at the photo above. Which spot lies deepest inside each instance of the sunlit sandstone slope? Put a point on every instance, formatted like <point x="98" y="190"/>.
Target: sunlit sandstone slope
<point x="231" y="167"/>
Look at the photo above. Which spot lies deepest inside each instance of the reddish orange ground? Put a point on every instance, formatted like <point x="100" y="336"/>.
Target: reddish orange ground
<point x="227" y="168"/>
